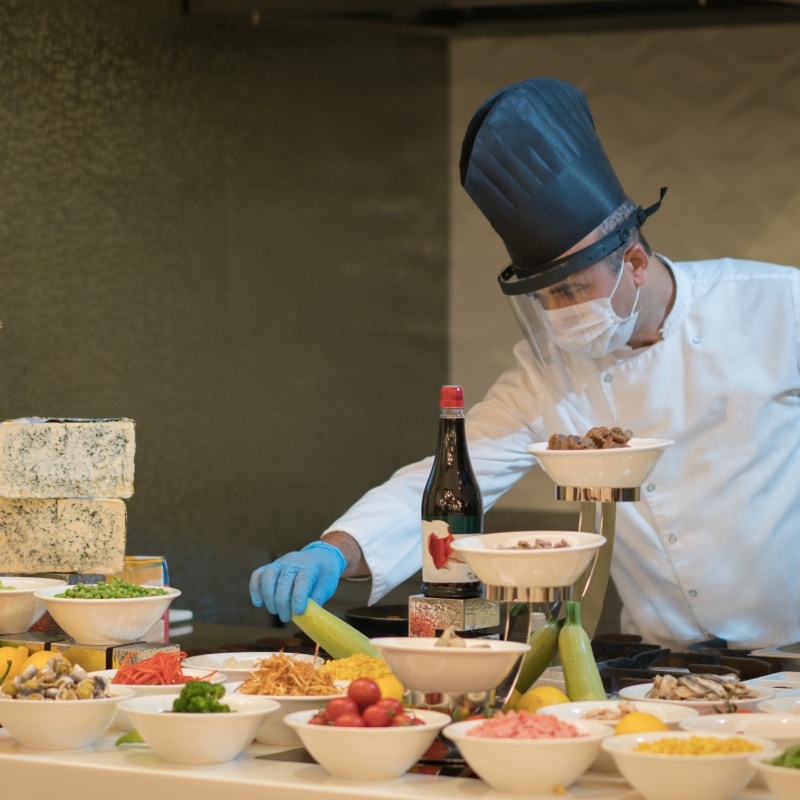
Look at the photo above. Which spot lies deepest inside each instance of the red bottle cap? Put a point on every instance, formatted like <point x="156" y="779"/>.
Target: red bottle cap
<point x="451" y="397"/>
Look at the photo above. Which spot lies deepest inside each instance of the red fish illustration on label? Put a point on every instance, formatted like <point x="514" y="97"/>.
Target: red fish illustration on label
<point x="440" y="550"/>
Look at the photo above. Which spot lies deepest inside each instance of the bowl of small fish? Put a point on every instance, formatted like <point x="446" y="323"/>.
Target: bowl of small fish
<point x="707" y="693"/>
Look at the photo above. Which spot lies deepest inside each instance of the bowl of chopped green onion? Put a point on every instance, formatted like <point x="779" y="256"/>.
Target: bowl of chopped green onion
<point x="780" y="771"/>
<point x="110" y="613"/>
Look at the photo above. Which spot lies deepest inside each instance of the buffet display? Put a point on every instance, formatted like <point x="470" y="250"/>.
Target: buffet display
<point x="350" y="705"/>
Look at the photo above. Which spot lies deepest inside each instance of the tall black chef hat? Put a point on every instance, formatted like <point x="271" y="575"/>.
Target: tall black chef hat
<point x="534" y="165"/>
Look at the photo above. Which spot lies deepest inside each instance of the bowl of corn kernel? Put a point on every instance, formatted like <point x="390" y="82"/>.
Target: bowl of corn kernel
<point x="668" y="764"/>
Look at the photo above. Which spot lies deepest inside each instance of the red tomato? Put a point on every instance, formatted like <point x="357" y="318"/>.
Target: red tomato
<point x="391" y="705"/>
<point x="438" y="750"/>
<point x="339" y="706"/>
<point x="320" y="718"/>
<point x="376" y="716"/>
<point x="349" y="721"/>
<point x="401" y="721"/>
<point x="364" y="691"/>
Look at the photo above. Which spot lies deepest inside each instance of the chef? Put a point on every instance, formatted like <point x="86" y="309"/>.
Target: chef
<point x="704" y="353"/>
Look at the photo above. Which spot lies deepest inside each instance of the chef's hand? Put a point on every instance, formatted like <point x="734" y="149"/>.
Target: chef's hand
<point x="286" y="585"/>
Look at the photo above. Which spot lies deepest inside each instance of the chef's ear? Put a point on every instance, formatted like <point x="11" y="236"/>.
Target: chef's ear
<point x="637" y="257"/>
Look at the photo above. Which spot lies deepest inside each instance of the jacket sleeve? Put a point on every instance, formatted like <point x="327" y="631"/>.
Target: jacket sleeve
<point x="386" y="521"/>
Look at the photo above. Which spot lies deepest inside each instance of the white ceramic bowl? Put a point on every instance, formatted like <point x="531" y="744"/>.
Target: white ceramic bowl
<point x="106" y="622"/>
<point x="670" y="714"/>
<point x="123" y="720"/>
<point x="60" y="724"/>
<point x="782" y="729"/>
<point x="275" y="731"/>
<point x="186" y="738"/>
<point x="423" y="667"/>
<point x="657" y="776"/>
<point x="639" y="690"/>
<point x="529" y="765"/>
<point x="783" y="782"/>
<point x="616" y="468"/>
<point x="558" y="566"/>
<point x="19" y="608"/>
<point x="367" y="754"/>
<point x="785" y="703"/>
<point x="217" y="660"/>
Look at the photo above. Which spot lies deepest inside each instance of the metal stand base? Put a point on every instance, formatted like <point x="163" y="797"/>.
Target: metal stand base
<point x="475" y="616"/>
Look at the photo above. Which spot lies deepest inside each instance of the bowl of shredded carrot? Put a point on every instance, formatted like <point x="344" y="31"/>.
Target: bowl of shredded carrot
<point x="296" y="684"/>
<point x="162" y="673"/>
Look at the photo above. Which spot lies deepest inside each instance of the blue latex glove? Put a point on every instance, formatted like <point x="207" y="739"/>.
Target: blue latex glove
<point x="285" y="585"/>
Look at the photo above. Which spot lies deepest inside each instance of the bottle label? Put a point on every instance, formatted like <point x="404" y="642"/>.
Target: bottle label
<point x="440" y="564"/>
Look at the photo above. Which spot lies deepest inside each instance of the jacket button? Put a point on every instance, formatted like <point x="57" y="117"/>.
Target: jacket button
<point x="692" y="593"/>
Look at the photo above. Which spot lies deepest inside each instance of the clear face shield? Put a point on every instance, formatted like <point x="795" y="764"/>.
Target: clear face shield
<point x="579" y="312"/>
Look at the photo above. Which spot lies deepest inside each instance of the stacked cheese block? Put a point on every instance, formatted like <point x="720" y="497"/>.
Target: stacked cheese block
<point x="62" y="484"/>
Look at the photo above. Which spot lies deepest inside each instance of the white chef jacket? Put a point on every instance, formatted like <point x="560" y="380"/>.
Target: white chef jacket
<point x="713" y="547"/>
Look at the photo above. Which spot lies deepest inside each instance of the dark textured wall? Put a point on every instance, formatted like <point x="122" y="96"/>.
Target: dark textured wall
<point x="237" y="238"/>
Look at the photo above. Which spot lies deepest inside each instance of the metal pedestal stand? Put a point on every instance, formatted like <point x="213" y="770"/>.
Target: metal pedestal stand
<point x="598" y="514"/>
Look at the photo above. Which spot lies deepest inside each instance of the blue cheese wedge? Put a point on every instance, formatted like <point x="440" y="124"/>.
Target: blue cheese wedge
<point x="39" y="535"/>
<point x="54" y="458"/>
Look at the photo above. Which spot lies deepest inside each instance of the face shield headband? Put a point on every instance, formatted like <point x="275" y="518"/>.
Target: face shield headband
<point x="517" y="280"/>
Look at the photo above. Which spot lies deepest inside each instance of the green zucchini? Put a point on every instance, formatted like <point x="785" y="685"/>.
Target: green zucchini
<point x="544" y="643"/>
<point x="577" y="660"/>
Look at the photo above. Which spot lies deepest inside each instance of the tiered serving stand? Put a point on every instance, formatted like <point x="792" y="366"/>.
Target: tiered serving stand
<point x="541" y="579"/>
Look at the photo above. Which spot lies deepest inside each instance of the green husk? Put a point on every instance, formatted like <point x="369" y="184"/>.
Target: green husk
<point x="332" y="634"/>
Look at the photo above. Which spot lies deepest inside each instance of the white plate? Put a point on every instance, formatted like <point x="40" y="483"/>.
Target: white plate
<point x="789" y="654"/>
<point x="216" y="660"/>
<point x="557" y="566"/>
<point x="616" y="468"/>
<point x="423" y="667"/>
<point x="670" y="714"/>
<point x="639" y="691"/>
<point x="780" y="680"/>
<point x="785" y="703"/>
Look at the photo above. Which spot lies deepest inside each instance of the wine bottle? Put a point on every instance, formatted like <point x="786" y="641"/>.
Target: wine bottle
<point x="451" y="506"/>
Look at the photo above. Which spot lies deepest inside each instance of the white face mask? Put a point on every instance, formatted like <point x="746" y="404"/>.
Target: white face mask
<point x="593" y="328"/>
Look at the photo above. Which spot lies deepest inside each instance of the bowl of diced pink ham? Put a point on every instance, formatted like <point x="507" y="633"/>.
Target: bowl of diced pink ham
<point x="522" y="752"/>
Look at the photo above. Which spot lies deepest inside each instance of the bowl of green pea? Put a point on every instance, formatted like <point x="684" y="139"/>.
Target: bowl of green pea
<point x="110" y="613"/>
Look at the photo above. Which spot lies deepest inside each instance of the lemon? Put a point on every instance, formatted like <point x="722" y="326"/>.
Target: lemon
<point x="390" y="687"/>
<point x="40" y="659"/>
<point x="540" y="696"/>
<point x="639" y="722"/>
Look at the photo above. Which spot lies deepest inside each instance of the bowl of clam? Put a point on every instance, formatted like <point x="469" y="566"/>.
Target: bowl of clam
<point x="59" y="706"/>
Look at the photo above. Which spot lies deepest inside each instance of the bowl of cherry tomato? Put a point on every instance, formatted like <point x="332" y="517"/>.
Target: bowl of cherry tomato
<point x="363" y="736"/>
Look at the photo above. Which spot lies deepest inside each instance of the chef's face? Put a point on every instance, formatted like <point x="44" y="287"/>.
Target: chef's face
<point x="593" y="283"/>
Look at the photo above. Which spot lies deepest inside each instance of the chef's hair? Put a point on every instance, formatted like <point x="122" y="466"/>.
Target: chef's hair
<point x="614" y="258"/>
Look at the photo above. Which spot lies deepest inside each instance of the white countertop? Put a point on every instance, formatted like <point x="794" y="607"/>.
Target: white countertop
<point x="135" y="771"/>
